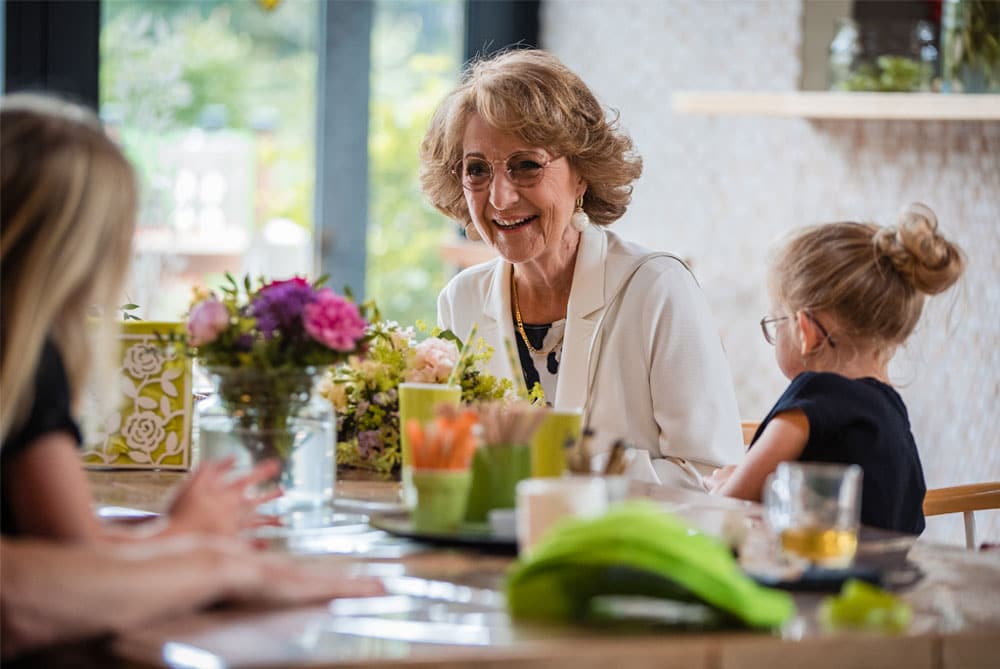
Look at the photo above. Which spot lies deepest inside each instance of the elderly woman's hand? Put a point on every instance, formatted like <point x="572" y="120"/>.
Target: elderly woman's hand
<point x="214" y="502"/>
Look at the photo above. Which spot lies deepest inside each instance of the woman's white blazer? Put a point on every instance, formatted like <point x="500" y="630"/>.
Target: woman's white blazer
<point x="660" y="379"/>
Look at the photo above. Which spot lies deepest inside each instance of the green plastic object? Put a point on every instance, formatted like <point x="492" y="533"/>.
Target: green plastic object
<point x="496" y="470"/>
<point x="864" y="606"/>
<point x="636" y="549"/>
<point x="441" y="497"/>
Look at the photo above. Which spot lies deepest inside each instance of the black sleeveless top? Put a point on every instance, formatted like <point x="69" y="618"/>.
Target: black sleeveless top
<point x="863" y="422"/>
<point x="50" y="412"/>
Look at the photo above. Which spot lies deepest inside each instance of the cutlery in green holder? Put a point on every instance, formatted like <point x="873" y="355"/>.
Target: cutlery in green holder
<point x="496" y="469"/>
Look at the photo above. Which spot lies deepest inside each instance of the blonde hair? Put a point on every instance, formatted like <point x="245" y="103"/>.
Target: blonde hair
<point x="873" y="280"/>
<point x="532" y="95"/>
<point x="68" y="217"/>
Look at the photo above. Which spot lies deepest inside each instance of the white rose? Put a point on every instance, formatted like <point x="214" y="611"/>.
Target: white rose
<point x="143" y="360"/>
<point x="144" y="431"/>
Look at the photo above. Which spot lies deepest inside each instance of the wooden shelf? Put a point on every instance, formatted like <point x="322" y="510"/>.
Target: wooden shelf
<point x="835" y="105"/>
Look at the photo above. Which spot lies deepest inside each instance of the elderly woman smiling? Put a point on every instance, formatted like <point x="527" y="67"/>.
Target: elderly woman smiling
<point x="522" y="154"/>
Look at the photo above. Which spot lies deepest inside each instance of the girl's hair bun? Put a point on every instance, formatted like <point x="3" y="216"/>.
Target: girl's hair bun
<point x="915" y="249"/>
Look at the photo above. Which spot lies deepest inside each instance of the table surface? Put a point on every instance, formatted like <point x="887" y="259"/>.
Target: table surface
<point x="446" y="608"/>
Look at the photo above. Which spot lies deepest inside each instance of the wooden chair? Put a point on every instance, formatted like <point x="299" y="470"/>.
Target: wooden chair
<point x="963" y="499"/>
<point x="749" y="430"/>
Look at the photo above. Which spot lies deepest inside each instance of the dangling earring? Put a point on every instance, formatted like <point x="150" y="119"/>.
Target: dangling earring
<point x="471" y="233"/>
<point x="579" y="220"/>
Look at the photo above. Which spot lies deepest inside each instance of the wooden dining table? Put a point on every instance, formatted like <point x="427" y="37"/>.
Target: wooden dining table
<point x="445" y="606"/>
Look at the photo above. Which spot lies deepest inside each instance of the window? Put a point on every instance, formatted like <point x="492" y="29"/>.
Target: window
<point x="416" y="58"/>
<point x="215" y="103"/>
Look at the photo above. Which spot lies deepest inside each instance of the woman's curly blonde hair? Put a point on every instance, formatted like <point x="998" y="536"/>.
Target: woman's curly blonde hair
<point x="532" y="95"/>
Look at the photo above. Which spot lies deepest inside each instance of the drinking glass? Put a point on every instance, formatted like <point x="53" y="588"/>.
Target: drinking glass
<point x="419" y="401"/>
<point x="815" y="511"/>
<point x="441" y="498"/>
<point x="548" y="446"/>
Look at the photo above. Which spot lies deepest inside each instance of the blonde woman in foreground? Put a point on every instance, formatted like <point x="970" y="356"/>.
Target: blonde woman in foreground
<point x="68" y="217"/>
<point x="844" y="297"/>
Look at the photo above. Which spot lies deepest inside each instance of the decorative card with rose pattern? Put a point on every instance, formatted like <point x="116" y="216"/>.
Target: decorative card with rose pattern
<point x="151" y="427"/>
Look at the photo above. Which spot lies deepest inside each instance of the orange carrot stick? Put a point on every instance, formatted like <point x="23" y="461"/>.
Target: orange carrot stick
<point x="415" y="433"/>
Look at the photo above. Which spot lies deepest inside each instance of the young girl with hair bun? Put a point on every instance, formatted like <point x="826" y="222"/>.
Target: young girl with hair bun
<point x="843" y="297"/>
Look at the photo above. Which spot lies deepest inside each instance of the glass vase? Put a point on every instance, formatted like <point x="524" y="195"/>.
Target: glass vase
<point x="258" y="414"/>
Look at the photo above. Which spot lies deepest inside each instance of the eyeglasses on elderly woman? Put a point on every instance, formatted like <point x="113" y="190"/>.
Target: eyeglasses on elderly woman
<point x="769" y="326"/>
<point x="523" y="168"/>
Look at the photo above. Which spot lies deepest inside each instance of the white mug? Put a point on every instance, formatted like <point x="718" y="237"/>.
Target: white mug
<point x="542" y="502"/>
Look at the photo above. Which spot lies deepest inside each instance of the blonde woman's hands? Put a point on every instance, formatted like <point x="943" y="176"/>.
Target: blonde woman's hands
<point x="58" y="592"/>
<point x="280" y="579"/>
<point x="212" y="501"/>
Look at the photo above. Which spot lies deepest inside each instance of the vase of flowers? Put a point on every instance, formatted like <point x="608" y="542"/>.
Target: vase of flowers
<point x="265" y="348"/>
<point x="364" y="390"/>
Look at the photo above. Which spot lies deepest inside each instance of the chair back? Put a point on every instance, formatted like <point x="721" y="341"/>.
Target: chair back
<point x="964" y="499"/>
<point x="749" y="430"/>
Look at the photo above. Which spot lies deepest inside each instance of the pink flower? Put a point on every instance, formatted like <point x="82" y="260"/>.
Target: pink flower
<point x="207" y="321"/>
<point x="432" y="361"/>
<point x="334" y="321"/>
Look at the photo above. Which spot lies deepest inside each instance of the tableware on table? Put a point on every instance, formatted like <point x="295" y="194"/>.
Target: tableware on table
<point x="440" y="453"/>
<point x="814" y="510"/>
<point x="548" y="446"/>
<point x="417" y="401"/>
<point x="503" y="523"/>
<point x="504" y="456"/>
<point x="496" y="470"/>
<point x="471" y="535"/>
<point x="542" y="502"/>
<point x="441" y="498"/>
<point x="258" y="414"/>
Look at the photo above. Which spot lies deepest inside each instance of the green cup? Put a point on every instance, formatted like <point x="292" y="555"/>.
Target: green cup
<point x="496" y="470"/>
<point x="419" y="401"/>
<point x="548" y="446"/>
<point x="441" y="496"/>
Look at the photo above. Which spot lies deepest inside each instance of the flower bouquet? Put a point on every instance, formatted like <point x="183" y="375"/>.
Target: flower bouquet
<point x="364" y="390"/>
<point x="264" y="347"/>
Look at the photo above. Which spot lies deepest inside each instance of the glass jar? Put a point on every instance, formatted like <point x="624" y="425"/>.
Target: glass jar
<point x="845" y="50"/>
<point x="924" y="49"/>
<point x="970" y="46"/>
<point x="257" y="414"/>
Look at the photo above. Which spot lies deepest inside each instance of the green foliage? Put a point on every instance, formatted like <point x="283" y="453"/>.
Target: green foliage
<point x="970" y="43"/>
<point x="410" y="77"/>
<point x="890" y="74"/>
<point x="364" y="393"/>
<point x="164" y="63"/>
<point x="127" y="310"/>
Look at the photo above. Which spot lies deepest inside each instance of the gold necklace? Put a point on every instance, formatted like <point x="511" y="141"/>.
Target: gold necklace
<point x="520" y="323"/>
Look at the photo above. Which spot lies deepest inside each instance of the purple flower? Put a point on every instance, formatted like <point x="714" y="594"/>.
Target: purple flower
<point x="334" y="321"/>
<point x="278" y="306"/>
<point x="369" y="443"/>
<point x="244" y="342"/>
<point x="207" y="321"/>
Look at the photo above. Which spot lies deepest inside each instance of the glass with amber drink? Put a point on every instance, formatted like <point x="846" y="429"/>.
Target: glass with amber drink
<point x="814" y="509"/>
